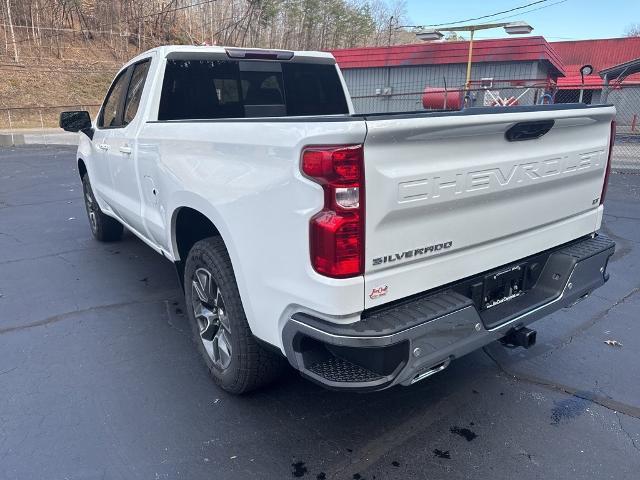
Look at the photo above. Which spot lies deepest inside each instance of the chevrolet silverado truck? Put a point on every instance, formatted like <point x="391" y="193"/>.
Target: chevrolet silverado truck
<point x="368" y="250"/>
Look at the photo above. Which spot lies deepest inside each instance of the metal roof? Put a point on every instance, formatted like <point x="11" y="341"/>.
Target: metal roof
<point x="622" y="70"/>
<point x="601" y="54"/>
<point x="437" y="53"/>
<point x="591" y="82"/>
<point x="565" y="57"/>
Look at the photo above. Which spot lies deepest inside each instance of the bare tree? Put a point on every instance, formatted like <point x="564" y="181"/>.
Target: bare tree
<point x="13" y="36"/>
<point x="125" y="27"/>
<point x="633" y="30"/>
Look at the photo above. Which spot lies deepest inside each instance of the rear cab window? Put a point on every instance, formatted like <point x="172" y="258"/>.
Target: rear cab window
<point x="217" y="89"/>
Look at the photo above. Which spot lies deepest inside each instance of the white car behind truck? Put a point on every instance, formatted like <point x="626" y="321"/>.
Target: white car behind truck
<point x="367" y="250"/>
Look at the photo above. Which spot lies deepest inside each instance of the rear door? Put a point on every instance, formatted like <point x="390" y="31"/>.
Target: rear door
<point x="449" y="195"/>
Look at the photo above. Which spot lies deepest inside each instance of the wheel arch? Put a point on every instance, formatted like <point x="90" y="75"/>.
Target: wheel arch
<point x="188" y="226"/>
<point x="193" y="221"/>
<point x="82" y="168"/>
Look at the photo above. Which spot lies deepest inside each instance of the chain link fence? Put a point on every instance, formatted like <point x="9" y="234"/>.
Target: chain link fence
<point x="411" y="96"/>
<point x="38" y="124"/>
<point x="626" y="150"/>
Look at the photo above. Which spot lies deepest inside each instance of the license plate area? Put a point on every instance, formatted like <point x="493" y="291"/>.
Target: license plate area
<point x="503" y="286"/>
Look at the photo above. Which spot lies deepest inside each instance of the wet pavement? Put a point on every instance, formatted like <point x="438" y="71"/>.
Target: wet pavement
<point x="99" y="378"/>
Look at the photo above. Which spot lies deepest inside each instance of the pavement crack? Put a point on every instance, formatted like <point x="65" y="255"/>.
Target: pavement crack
<point x="9" y="371"/>
<point x="49" y="255"/>
<point x="605" y="402"/>
<point x="61" y="257"/>
<point x="63" y="316"/>
<point x="591" y="321"/>
<point x="11" y="236"/>
<point x="597" y="317"/>
<point x="6" y="205"/>
<point x="624" y="430"/>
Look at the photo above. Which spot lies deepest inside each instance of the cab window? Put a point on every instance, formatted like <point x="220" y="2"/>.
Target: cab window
<point x="134" y="93"/>
<point x="111" y="113"/>
<point x="217" y="89"/>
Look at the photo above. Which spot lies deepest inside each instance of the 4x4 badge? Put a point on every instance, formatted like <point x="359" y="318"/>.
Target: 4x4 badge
<point x="378" y="292"/>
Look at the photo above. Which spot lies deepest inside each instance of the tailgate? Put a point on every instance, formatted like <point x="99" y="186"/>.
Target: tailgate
<point x="448" y="196"/>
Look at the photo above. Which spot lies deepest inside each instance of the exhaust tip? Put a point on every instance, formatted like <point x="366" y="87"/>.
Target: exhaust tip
<point x="431" y="371"/>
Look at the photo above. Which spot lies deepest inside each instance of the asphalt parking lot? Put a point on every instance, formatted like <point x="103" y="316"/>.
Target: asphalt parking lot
<point x="99" y="378"/>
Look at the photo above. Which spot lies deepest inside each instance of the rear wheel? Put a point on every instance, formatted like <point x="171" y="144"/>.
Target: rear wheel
<point x="236" y="361"/>
<point x="103" y="227"/>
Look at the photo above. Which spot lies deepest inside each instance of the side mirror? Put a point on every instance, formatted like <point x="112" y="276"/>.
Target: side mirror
<point x="75" y="121"/>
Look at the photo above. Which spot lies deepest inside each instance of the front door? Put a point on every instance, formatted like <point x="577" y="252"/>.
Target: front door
<point x="108" y="121"/>
<point x="100" y="175"/>
<point x="122" y="152"/>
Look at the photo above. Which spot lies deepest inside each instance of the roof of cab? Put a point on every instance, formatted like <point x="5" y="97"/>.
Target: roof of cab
<point x="169" y="49"/>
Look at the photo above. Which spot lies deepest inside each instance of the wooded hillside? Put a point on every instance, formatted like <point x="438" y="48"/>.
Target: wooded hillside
<point x="55" y="52"/>
<point x="119" y="24"/>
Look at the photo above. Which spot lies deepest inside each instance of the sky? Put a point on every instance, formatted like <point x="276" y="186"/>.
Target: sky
<point x="553" y="19"/>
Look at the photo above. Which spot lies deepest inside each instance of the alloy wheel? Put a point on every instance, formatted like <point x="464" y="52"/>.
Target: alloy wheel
<point x="92" y="207"/>
<point x="211" y="315"/>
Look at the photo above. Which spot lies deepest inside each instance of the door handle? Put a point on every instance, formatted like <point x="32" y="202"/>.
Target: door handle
<point x="528" y="130"/>
<point x="125" y="149"/>
<point x="103" y="146"/>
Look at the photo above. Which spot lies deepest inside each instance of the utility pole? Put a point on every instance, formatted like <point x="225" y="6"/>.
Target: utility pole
<point x="387" y="87"/>
<point x="13" y="35"/>
<point x="38" y="24"/>
<point x="211" y="24"/>
<point x="6" y="39"/>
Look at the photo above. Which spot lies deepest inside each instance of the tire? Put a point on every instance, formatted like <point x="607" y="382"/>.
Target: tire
<point x="103" y="227"/>
<point x="236" y="361"/>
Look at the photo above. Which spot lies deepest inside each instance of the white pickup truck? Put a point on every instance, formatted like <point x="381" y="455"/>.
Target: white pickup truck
<point x="367" y="250"/>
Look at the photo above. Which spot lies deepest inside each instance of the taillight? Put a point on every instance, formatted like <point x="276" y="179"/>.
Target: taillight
<point x="607" y="172"/>
<point x="337" y="232"/>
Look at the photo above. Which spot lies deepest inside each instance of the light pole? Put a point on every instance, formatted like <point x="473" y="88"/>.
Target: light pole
<point x="585" y="70"/>
<point x="512" y="28"/>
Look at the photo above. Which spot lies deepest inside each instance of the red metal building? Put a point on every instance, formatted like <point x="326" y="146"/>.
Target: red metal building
<point x="392" y="78"/>
<point x="563" y="58"/>
<point x="600" y="54"/>
<point x="522" y="49"/>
